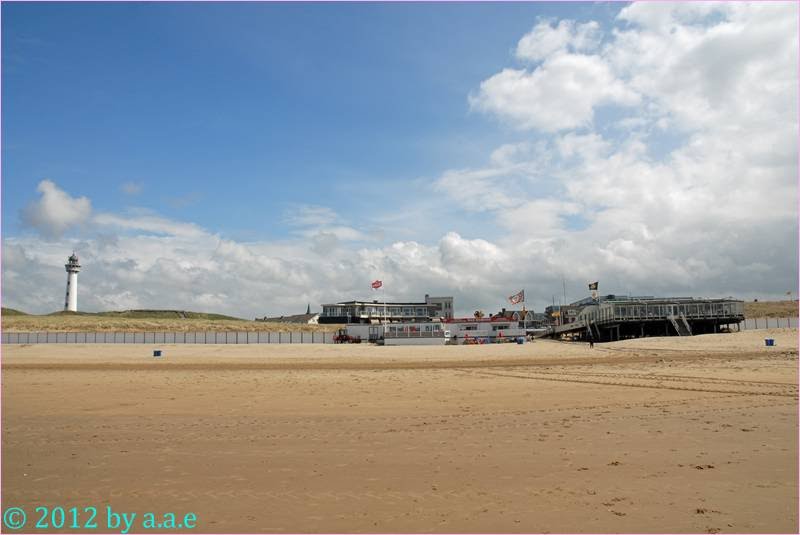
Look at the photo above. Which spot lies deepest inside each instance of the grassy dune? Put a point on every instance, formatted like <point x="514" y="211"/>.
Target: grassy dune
<point x="12" y="312"/>
<point x="771" y="309"/>
<point x="143" y="320"/>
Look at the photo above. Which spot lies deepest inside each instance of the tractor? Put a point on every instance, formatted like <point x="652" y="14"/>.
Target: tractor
<point x="341" y="337"/>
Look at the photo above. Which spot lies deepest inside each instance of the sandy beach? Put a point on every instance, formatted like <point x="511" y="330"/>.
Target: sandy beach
<point x="658" y="435"/>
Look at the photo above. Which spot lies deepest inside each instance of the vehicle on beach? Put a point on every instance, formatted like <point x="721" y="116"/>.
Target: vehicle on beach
<point x="342" y="337"/>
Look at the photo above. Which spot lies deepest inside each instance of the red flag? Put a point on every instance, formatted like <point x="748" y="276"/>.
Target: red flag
<point x="377" y="284"/>
<point x="517" y="298"/>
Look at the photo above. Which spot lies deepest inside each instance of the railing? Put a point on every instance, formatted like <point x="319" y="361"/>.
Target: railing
<point x="745" y="324"/>
<point x="611" y="314"/>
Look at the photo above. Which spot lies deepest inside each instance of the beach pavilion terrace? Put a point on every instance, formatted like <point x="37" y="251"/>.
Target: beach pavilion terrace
<point x="617" y="317"/>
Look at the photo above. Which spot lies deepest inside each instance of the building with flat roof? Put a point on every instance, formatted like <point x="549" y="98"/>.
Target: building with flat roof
<point x="614" y="317"/>
<point x="375" y="311"/>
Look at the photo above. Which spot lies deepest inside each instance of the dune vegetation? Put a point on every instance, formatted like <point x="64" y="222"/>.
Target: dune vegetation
<point x="142" y="321"/>
<point x="770" y="309"/>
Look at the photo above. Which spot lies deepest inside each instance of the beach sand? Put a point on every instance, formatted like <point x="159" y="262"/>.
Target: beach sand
<point x="657" y="435"/>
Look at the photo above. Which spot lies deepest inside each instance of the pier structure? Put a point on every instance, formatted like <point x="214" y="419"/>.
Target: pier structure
<point x="613" y="318"/>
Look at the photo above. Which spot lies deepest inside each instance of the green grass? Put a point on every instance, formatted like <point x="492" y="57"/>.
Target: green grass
<point x="151" y="314"/>
<point x="12" y="312"/>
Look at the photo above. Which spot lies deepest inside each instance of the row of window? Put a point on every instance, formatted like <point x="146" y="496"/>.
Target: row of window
<point x="397" y="329"/>
<point x="660" y="311"/>
<point x="667" y="310"/>
<point x="376" y="311"/>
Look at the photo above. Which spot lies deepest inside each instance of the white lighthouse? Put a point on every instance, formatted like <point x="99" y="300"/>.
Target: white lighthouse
<point x="73" y="267"/>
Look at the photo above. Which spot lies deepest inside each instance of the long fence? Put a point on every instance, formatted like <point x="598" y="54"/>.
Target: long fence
<point x="768" y="323"/>
<point x="205" y="337"/>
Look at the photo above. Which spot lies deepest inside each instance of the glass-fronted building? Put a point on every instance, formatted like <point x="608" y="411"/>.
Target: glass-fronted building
<point x="375" y="311"/>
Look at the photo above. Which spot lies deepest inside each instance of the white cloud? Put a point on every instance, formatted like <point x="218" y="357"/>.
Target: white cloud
<point x="158" y="225"/>
<point x="705" y="164"/>
<point x="668" y="17"/>
<point x="477" y="190"/>
<point x="545" y="39"/>
<point x="561" y="93"/>
<point x="55" y="211"/>
<point x="324" y="226"/>
<point x="736" y="73"/>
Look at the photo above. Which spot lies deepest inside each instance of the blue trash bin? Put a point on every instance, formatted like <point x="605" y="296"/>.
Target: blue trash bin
<point x="156" y="352"/>
<point x="769" y="341"/>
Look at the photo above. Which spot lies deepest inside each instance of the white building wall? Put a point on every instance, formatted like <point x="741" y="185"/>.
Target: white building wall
<point x="72" y="292"/>
<point x="445" y="303"/>
<point x="425" y="341"/>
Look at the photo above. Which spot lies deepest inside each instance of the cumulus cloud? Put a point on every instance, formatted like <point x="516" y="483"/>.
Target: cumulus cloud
<point x="547" y="37"/>
<point x="55" y="211"/>
<point x="716" y="85"/>
<point x="560" y="94"/>
<point x="737" y="72"/>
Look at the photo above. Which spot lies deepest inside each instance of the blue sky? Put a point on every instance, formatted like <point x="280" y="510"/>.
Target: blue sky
<point x="211" y="106"/>
<point x="253" y="158"/>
